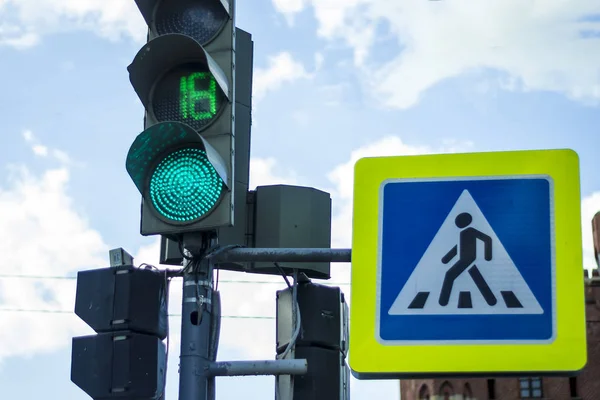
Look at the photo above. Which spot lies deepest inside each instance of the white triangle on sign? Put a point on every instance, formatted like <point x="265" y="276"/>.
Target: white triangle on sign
<point x="421" y="293"/>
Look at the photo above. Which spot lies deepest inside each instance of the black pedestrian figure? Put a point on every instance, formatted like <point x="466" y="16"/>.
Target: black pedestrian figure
<point x="467" y="254"/>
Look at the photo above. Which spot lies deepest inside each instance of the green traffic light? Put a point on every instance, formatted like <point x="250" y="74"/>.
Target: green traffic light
<point x="185" y="186"/>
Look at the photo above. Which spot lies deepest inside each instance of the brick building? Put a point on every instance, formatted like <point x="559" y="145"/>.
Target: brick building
<point x="586" y="386"/>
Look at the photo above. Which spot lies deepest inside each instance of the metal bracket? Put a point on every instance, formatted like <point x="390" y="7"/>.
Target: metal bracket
<point x="200" y="300"/>
<point x="204" y="283"/>
<point x="258" y="367"/>
<point x="244" y="254"/>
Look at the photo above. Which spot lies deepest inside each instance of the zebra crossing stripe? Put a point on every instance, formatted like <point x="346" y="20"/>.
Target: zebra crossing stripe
<point x="465" y="300"/>
<point x="419" y="300"/>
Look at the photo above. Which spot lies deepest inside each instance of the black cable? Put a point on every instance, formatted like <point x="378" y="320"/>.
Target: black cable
<point x="196" y="272"/>
<point x="167" y="284"/>
<point x="215" y="332"/>
<point x="296" y="323"/>
<point x="148" y="266"/>
<point x="217" y="280"/>
<point x="282" y="272"/>
<point x="182" y="251"/>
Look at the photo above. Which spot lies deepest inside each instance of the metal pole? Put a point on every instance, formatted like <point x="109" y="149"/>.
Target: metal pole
<point x="195" y="330"/>
<point x="266" y="367"/>
<point x="243" y="254"/>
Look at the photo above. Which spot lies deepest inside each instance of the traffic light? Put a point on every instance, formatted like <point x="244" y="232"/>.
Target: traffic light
<point x="127" y="308"/>
<point x="322" y="341"/>
<point x="183" y="162"/>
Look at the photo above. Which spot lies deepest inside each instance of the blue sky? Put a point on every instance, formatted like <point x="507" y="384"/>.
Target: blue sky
<point x="334" y="81"/>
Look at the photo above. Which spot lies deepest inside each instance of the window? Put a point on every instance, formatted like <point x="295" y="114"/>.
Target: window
<point x="491" y="385"/>
<point x="573" y="387"/>
<point x="424" y="393"/>
<point x="530" y="388"/>
<point x="446" y="391"/>
<point x="467" y="393"/>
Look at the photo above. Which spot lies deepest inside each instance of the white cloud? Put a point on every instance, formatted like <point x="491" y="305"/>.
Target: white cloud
<point x="262" y="172"/>
<point x="43" y="151"/>
<point x="28" y="136"/>
<point x="537" y="44"/>
<point x="61" y="156"/>
<point x="289" y="8"/>
<point x="40" y="150"/>
<point x="282" y="69"/>
<point x="319" y="60"/>
<point x="14" y="36"/>
<point x="24" y="22"/>
<point x="41" y="235"/>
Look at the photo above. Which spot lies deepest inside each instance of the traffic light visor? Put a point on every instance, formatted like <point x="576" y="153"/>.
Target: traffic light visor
<point x="191" y="92"/>
<point x="201" y="20"/>
<point x="178" y="173"/>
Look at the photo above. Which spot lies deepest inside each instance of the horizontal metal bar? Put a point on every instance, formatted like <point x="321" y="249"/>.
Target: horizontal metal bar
<point x="261" y="367"/>
<point x="246" y="254"/>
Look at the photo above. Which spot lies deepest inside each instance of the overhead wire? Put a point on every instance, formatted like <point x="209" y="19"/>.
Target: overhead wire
<point x="176" y="315"/>
<point x="210" y="253"/>
<point x="167" y="287"/>
<point x="234" y="281"/>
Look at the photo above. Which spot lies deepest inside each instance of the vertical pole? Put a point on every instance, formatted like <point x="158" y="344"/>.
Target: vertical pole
<point x="596" y="237"/>
<point x="196" y="318"/>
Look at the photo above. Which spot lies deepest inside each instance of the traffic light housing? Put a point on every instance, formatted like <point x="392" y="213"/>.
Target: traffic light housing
<point x="183" y="162"/>
<point x="322" y="341"/>
<point x="127" y="308"/>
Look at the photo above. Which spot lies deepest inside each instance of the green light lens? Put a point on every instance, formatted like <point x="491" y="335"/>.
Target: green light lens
<point x="184" y="186"/>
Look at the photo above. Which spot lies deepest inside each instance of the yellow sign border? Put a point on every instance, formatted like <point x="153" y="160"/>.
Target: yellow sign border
<point x="566" y="353"/>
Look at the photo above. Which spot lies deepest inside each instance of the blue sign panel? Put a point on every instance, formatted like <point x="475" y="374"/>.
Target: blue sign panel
<point x="466" y="261"/>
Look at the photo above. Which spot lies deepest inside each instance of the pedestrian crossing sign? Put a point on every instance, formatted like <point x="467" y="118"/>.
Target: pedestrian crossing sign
<point x="467" y="264"/>
<point x="463" y="288"/>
